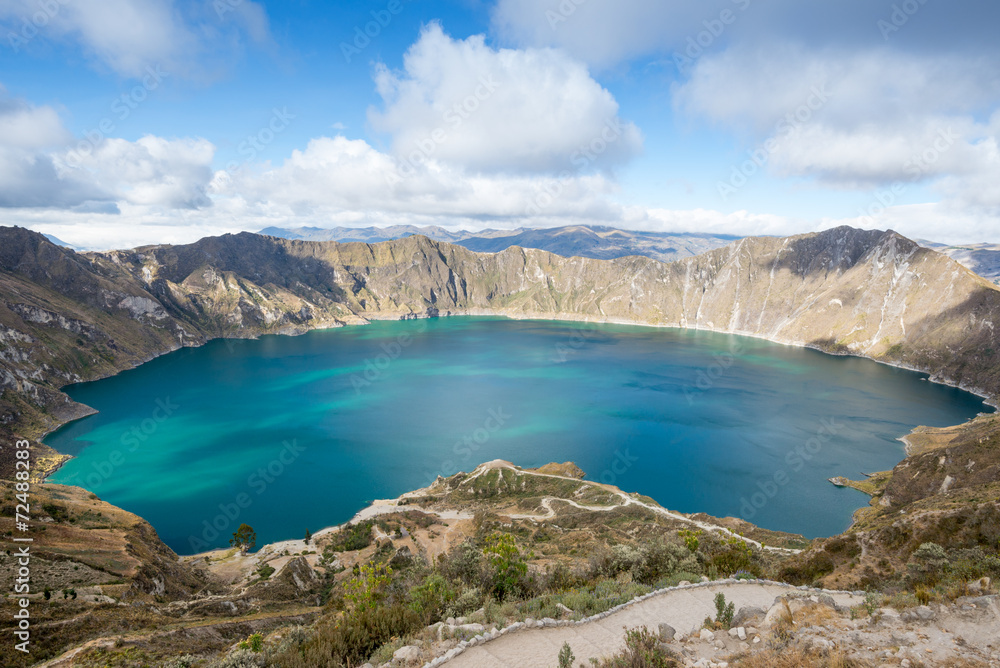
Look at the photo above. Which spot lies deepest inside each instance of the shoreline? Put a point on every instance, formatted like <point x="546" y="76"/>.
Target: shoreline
<point x="555" y="317"/>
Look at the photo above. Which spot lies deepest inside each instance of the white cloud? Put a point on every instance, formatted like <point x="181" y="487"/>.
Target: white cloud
<point x="531" y="110"/>
<point x="173" y="174"/>
<point x="129" y="36"/>
<point x="861" y="120"/>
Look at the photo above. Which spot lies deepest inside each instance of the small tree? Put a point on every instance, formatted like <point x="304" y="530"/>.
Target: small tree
<point x="509" y="567"/>
<point x="566" y="656"/>
<point x="308" y="536"/>
<point x="245" y="538"/>
<point x="367" y="588"/>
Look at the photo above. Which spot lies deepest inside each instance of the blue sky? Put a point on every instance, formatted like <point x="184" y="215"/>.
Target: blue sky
<point x="125" y="122"/>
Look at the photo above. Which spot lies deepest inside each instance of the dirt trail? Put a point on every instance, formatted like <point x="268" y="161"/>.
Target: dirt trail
<point x="683" y="609"/>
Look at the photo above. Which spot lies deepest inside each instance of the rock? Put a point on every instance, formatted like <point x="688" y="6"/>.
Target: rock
<point x="732" y="633"/>
<point x="741" y="633"/>
<point x="704" y="578"/>
<point x="980" y="586"/>
<point x="473" y="629"/>
<point x="562" y="608"/>
<point x="667" y="633"/>
<point x="748" y="613"/>
<point x="684" y="583"/>
<point x="920" y="614"/>
<point x="407" y="654"/>
<point x="779" y="612"/>
<point x="756" y="639"/>
<point x="752" y="631"/>
<point x="706" y="635"/>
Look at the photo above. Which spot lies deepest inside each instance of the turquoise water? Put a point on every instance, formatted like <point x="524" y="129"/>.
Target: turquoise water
<point x="290" y="433"/>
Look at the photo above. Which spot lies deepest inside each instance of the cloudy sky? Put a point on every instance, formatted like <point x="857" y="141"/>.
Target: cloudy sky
<point x="124" y="122"/>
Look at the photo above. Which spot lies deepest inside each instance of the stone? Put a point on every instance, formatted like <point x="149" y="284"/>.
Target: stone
<point x="406" y="654"/>
<point x="684" y="583"/>
<point x="667" y="632"/>
<point x="921" y="614"/>
<point x="756" y="639"/>
<point x="741" y="633"/>
<point x="704" y="578"/>
<point x="706" y="635"/>
<point x="748" y="613"/>
<point x="732" y="633"/>
<point x="779" y="612"/>
<point x="562" y="608"/>
<point x="980" y="586"/>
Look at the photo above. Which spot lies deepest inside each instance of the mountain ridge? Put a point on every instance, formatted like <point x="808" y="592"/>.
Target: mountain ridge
<point x="844" y="291"/>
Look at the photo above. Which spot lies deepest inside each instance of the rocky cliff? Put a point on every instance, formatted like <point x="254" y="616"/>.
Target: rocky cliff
<point x="66" y="316"/>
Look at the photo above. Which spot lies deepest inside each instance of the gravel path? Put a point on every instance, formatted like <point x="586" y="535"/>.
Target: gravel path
<point x="684" y="609"/>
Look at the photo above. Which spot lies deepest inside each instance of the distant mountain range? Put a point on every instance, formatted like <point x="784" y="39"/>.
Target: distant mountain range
<point x="984" y="259"/>
<point x="599" y="243"/>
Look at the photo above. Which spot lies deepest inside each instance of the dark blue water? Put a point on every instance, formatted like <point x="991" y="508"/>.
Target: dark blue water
<point x="290" y="433"/>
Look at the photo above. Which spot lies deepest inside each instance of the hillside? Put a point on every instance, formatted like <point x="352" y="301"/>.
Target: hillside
<point x="596" y="242"/>
<point x="67" y="317"/>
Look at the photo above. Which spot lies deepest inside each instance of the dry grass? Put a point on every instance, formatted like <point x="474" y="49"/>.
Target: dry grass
<point x="798" y="658"/>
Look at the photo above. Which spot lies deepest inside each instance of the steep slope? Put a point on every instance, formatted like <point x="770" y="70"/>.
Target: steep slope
<point x="597" y="242"/>
<point x="66" y="317"/>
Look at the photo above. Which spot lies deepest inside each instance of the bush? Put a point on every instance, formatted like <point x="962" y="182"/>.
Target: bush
<point x="642" y="650"/>
<point x="352" y="639"/>
<point x="566" y="657"/>
<point x="353" y="537"/>
<point x="431" y="597"/>
<point x="254" y="643"/>
<point x="724" y="612"/>
<point x="508" y="567"/>
<point x="241" y="658"/>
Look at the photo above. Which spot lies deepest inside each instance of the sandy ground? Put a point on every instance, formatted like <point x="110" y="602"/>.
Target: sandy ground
<point x="684" y="609"/>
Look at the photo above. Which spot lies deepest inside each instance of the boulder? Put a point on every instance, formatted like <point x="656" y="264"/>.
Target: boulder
<point x="780" y="612"/>
<point x="748" y="613"/>
<point x="706" y="635"/>
<point x="667" y="633"/>
<point x="406" y="654"/>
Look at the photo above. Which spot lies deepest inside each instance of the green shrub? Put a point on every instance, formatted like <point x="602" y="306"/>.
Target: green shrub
<point x="351" y="538"/>
<point x="254" y="643"/>
<point x="724" y="612"/>
<point x="642" y="650"/>
<point x="566" y="657"/>
<point x="432" y="596"/>
<point x="507" y="565"/>
<point x="351" y="639"/>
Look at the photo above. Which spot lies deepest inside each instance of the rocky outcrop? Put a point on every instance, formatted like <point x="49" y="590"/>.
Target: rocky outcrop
<point x="67" y="317"/>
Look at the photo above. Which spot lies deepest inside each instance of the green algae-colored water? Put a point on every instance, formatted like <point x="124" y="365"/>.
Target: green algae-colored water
<point x="290" y="433"/>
